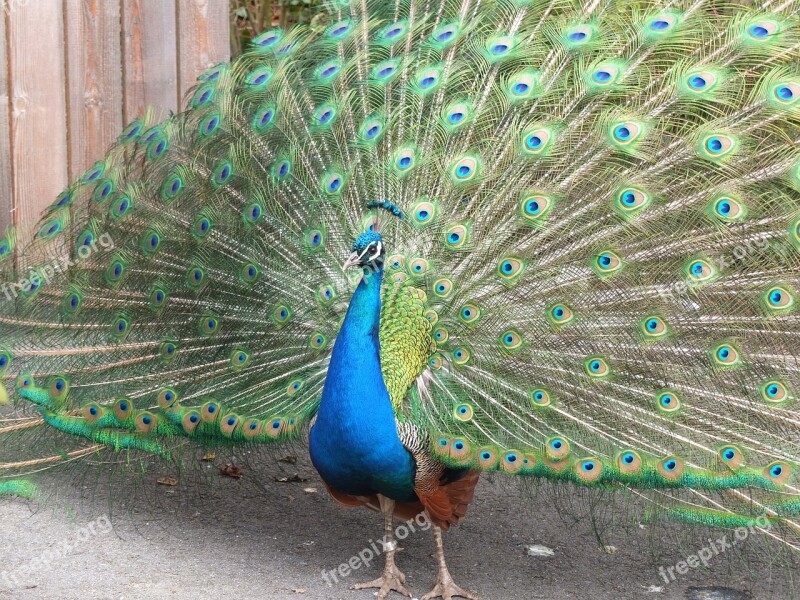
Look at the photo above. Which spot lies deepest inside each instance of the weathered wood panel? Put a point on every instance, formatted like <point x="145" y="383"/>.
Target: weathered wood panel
<point x="94" y="80"/>
<point x="204" y="31"/>
<point x="38" y="107"/>
<point x="6" y="198"/>
<point x="74" y="72"/>
<point x="150" y="56"/>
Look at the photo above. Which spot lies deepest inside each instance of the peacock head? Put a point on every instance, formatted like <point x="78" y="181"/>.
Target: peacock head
<point x="368" y="252"/>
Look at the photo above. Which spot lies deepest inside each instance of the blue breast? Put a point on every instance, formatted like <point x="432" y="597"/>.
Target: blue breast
<point x="354" y="443"/>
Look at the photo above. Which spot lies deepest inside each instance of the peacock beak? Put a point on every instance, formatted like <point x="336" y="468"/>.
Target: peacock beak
<point x="352" y="261"/>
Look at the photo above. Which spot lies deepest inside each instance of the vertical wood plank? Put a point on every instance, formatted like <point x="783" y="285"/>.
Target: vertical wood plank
<point x="94" y="80"/>
<point x="38" y="108"/>
<point x="6" y="198"/>
<point x="149" y="49"/>
<point x="203" y="38"/>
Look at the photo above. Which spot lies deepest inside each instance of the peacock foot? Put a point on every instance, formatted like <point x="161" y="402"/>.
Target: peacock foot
<point x="447" y="589"/>
<point x="392" y="580"/>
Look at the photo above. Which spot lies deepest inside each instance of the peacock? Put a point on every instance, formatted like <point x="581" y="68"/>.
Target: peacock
<point x="436" y="238"/>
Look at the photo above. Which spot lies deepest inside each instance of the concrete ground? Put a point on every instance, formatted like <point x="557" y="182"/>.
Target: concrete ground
<point x="271" y="534"/>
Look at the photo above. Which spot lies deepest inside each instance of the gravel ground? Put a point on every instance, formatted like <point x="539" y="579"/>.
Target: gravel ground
<point x="237" y="539"/>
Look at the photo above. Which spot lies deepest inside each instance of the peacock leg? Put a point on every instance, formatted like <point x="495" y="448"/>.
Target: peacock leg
<point x="445" y="586"/>
<point x="392" y="578"/>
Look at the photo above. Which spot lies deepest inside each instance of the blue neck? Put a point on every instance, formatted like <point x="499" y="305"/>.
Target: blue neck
<point x="354" y="442"/>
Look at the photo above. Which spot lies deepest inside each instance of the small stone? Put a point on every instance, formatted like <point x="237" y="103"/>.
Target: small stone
<point x="538" y="550"/>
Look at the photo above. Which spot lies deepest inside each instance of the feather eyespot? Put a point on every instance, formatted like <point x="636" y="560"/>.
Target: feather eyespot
<point x="371" y="130"/>
<point x="294" y="387"/>
<point x="123" y="408"/>
<point x="404" y="160"/>
<point x="102" y="190"/>
<point x="469" y="313"/>
<point x="560" y="314"/>
<point x="456" y="236"/>
<point x="604" y="76"/>
<point x="625" y="133"/>
<point x="209" y="325"/>
<point x="120" y="326"/>
<point x="671" y="468"/>
<point x="393" y="32"/>
<point x="263" y="117"/>
<point x="668" y="401"/>
<point x="774" y="392"/>
<point x="210" y="411"/>
<point x="540" y="397"/>
<point x="631" y="200"/>
<point x="461" y="355"/>
<point x="661" y="24"/>
<point x="229" y="424"/>
<point x="589" y="469"/>
<point x="596" y="367"/>
<point x="779" y="299"/>
<point x="731" y="456"/>
<point x="442" y="287"/>
<point x="487" y="458"/>
<point x="318" y="341"/>
<point x="579" y="36"/>
<point x="786" y="93"/>
<point x="58" y="387"/>
<point x="510" y="269"/>
<point x="423" y="213"/>
<point x="275" y="427"/>
<point x="145" y="422"/>
<point x="654" y="327"/>
<point x="463" y="412"/>
<point x="700" y="271"/>
<point x="158" y="297"/>
<point x="512" y="461"/>
<point x="536" y="141"/>
<point x="444" y="35"/>
<point x="629" y="462"/>
<point x="511" y="340"/>
<point x="239" y="359"/>
<point x="191" y="421"/>
<point x="72" y="304"/>
<point x="120" y="207"/>
<point x="167" y="398"/>
<point x="607" y="263"/>
<point x="168" y="350"/>
<point x="203" y="95"/>
<point x="716" y="146"/>
<point x="557" y="448"/>
<point x="435" y="362"/>
<point x="464" y="170"/>
<point x="332" y="183"/>
<point x="762" y="30"/>
<point x="533" y="208"/>
<point x="522" y="86"/>
<point x="778" y="472"/>
<point x="726" y="355"/>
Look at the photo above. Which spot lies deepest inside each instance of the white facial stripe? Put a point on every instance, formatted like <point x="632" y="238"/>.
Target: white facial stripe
<point x="379" y="246"/>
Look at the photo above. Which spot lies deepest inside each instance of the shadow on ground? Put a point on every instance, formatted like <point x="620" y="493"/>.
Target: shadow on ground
<point x="271" y="533"/>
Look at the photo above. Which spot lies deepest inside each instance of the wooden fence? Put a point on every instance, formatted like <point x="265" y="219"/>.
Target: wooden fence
<point x="74" y="72"/>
